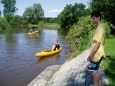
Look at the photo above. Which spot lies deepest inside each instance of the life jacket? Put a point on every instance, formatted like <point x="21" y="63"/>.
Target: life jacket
<point x="57" y="46"/>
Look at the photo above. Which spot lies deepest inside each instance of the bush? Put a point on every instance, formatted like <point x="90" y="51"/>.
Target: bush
<point x="4" y="24"/>
<point x="40" y="24"/>
<point x="80" y="35"/>
<point x="108" y="27"/>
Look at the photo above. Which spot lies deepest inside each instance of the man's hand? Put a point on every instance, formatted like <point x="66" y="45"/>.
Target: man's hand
<point x="96" y="47"/>
<point x="89" y="58"/>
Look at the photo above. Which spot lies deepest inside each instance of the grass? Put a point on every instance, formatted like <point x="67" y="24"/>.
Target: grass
<point x="52" y="25"/>
<point x="109" y="63"/>
<point x="46" y="25"/>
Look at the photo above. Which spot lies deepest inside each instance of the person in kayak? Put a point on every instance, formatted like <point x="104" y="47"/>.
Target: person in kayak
<point x="57" y="45"/>
<point x="31" y="30"/>
<point x="53" y="46"/>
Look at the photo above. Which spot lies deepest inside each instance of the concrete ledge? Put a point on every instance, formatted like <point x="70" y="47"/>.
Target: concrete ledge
<point x="45" y="76"/>
<point x="71" y="73"/>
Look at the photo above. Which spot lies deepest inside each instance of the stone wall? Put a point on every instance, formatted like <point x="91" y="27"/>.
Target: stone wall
<point x="71" y="73"/>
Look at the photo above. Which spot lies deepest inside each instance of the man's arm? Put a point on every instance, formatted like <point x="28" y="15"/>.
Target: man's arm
<point x="96" y="47"/>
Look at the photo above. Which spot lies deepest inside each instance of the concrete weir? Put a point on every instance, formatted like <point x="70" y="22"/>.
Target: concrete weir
<point x="45" y="76"/>
<point x="71" y="73"/>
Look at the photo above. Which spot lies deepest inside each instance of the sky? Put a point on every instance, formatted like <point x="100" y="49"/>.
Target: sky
<point x="51" y="7"/>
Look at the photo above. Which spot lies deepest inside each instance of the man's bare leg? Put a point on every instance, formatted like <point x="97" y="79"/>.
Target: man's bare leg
<point x="96" y="78"/>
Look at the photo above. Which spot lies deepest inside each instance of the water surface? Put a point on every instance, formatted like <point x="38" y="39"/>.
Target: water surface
<point x="18" y="64"/>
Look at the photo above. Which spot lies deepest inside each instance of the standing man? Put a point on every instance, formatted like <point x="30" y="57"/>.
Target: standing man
<point x="97" y="47"/>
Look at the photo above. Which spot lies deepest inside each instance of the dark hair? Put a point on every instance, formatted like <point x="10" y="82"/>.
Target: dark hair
<point x="96" y="14"/>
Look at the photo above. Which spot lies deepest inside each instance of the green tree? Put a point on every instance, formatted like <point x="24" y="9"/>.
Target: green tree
<point x="34" y="14"/>
<point x="106" y="7"/>
<point x="9" y="17"/>
<point x="40" y="24"/>
<point x="71" y="14"/>
<point x="79" y="36"/>
<point x="0" y="13"/>
<point x="87" y="12"/>
<point x="78" y="11"/>
<point x="65" y="16"/>
<point x="16" y="20"/>
<point x="50" y="20"/>
<point x="38" y="12"/>
<point x="24" y="21"/>
<point x="4" y="24"/>
<point x="9" y="6"/>
<point x="28" y="14"/>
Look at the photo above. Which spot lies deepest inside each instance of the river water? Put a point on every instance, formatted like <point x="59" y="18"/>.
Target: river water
<point x="18" y="63"/>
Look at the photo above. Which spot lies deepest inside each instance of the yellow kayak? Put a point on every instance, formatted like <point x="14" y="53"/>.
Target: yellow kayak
<point x="45" y="58"/>
<point x="30" y="33"/>
<point x="33" y="33"/>
<point x="48" y="52"/>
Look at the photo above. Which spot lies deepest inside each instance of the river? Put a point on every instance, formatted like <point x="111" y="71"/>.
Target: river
<point x="18" y="63"/>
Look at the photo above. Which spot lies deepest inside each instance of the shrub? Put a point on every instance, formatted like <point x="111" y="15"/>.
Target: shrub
<point x="40" y="24"/>
<point x="80" y="35"/>
<point x="4" y="24"/>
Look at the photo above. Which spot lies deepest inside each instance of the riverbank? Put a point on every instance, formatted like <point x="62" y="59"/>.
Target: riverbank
<point x="45" y="25"/>
<point x="71" y="73"/>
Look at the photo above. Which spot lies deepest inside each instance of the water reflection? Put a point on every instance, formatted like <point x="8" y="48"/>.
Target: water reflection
<point x="63" y="31"/>
<point x="46" y="58"/>
<point x="11" y="43"/>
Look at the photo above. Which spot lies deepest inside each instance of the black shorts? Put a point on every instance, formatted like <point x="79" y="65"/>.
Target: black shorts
<point x="94" y="66"/>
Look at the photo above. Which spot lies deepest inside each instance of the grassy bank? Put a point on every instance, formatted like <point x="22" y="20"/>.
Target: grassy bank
<point x="109" y="63"/>
<point x="46" y="25"/>
<point x="52" y="25"/>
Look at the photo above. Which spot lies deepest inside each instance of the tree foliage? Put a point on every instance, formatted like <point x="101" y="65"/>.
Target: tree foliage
<point x="15" y="20"/>
<point x="80" y="35"/>
<point x="106" y="7"/>
<point x="41" y="25"/>
<point x="71" y="14"/>
<point x="0" y="13"/>
<point x="4" y="24"/>
<point x="34" y="13"/>
<point x="9" y="6"/>
<point x="9" y="17"/>
<point x="65" y="16"/>
<point x="50" y="20"/>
